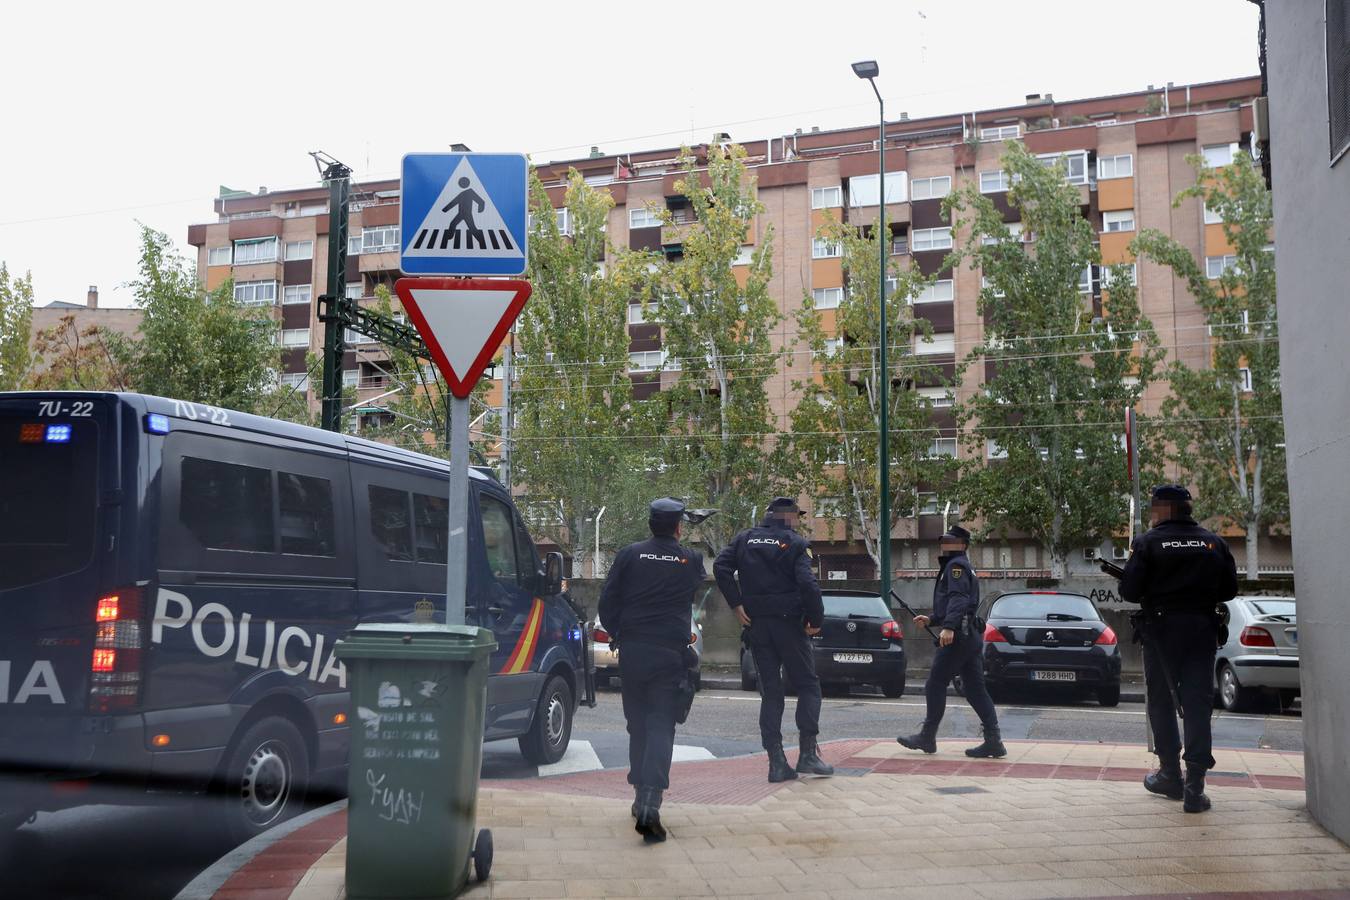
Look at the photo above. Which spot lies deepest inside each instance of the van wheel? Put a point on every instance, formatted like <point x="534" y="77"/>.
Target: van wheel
<point x="551" y="732"/>
<point x="265" y="778"/>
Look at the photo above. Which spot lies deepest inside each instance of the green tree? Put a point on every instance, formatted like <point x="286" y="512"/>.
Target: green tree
<point x="71" y="358"/>
<point x="1225" y="420"/>
<point x="719" y="432"/>
<point x="16" y="323"/>
<point x="1052" y="408"/>
<point x="573" y="446"/>
<point x="837" y="421"/>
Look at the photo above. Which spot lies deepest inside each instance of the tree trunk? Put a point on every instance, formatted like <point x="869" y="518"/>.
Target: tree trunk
<point x="1253" y="553"/>
<point x="1058" y="562"/>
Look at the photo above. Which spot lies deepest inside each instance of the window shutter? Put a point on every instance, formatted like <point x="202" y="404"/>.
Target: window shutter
<point x="1338" y="75"/>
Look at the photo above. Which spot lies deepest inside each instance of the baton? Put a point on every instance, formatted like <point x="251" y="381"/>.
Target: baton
<point x="905" y="606"/>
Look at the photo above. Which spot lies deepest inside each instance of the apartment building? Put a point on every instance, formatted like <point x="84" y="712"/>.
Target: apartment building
<point x="1126" y="153"/>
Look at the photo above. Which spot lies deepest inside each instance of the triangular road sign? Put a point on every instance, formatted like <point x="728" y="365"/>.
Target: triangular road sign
<point x="463" y="321"/>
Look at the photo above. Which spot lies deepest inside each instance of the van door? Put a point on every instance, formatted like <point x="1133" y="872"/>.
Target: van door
<point x="503" y="592"/>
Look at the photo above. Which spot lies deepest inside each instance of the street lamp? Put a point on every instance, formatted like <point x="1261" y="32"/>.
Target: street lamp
<point x="869" y="70"/>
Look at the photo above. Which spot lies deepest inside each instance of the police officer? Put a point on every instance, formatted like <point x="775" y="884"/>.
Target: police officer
<point x="645" y="605"/>
<point x="1180" y="573"/>
<point x="778" y="600"/>
<point x="956" y="597"/>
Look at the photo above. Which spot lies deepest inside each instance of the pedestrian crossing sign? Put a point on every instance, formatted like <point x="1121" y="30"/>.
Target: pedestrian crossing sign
<point x="463" y="214"/>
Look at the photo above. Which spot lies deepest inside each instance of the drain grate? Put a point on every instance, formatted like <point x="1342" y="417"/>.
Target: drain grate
<point x="961" y="789"/>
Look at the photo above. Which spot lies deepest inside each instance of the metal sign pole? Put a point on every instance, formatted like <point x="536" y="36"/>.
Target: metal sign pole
<point x="457" y="565"/>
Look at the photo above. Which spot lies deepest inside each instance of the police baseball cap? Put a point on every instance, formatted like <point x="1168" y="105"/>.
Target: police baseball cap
<point x="957" y="533"/>
<point x="783" y="505"/>
<point x="1171" y="493"/>
<point x="665" y="511"/>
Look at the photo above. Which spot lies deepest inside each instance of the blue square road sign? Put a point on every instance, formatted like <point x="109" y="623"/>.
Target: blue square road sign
<point x="464" y="214"/>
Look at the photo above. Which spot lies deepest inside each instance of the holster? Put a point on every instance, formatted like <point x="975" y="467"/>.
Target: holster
<point x="684" y="697"/>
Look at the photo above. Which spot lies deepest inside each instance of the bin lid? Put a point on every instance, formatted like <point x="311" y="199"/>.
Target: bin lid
<point x="416" y="640"/>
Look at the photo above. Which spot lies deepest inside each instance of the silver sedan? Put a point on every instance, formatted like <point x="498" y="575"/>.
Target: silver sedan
<point x="1261" y="655"/>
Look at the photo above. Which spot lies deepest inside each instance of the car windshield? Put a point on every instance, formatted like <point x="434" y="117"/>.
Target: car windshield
<point x="1280" y="608"/>
<point x="856" y="605"/>
<point x="1070" y="607"/>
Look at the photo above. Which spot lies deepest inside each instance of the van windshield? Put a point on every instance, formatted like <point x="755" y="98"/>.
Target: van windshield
<point x="48" y="496"/>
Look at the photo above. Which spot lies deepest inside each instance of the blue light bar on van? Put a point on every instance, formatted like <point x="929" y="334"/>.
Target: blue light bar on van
<point x="156" y="423"/>
<point x="58" y="434"/>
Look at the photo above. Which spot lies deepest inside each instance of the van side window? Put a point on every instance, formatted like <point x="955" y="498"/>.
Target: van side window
<point x="499" y="539"/>
<point x="525" y="550"/>
<point x="307" y="525"/>
<point x="432" y="515"/>
<point x="227" y="506"/>
<point x="390" y="523"/>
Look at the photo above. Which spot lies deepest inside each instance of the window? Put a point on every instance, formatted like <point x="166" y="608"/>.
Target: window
<point x="499" y="538"/>
<point x="1121" y="220"/>
<point x="564" y="219"/>
<point x="943" y="291"/>
<point x="350" y="377"/>
<point x="1212" y="218"/>
<point x="744" y="256"/>
<point x="1215" y="266"/>
<point x="298" y="381"/>
<point x="1085" y="280"/>
<point x="1121" y="166"/>
<point x="863" y="190"/>
<point x="296" y="293"/>
<point x="1245" y="380"/>
<point x="640" y="315"/>
<point x="987" y="285"/>
<point x="255" y="293"/>
<point x="941" y="343"/>
<point x="994" y="182"/>
<point x="351" y="337"/>
<point x="828" y="508"/>
<point x="299" y="250"/>
<point x="354" y="291"/>
<point x="219" y="256"/>
<point x="1001" y="133"/>
<point x="390" y="523"/>
<point x="354" y="245"/>
<point x="933" y="505"/>
<point x="260" y="251"/>
<point x="307" y="520"/>
<point x="643" y="217"/>
<point x="900" y="244"/>
<point x="1109" y="274"/>
<point x="827" y="298"/>
<point x="930" y="239"/>
<point x="431" y="518"/>
<point x="941" y="447"/>
<point x="380" y="239"/>
<point x="1217" y="155"/>
<point x="1014" y="232"/>
<point x="938" y="398"/>
<point x="823" y="249"/>
<point x="1072" y="164"/>
<point x="827" y="197"/>
<point x="930" y="188"/>
<point x="832" y="346"/>
<point x="646" y="360"/>
<point x="994" y="450"/>
<point x="227" y="506"/>
<point x="314" y="209"/>
<point x="295" y="337"/>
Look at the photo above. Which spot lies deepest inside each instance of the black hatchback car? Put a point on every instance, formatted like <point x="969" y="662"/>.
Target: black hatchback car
<point x="859" y="643"/>
<point x="1050" y="638"/>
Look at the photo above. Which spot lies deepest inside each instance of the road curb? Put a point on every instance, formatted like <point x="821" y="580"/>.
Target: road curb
<point x="911" y="690"/>
<point x="213" y="877"/>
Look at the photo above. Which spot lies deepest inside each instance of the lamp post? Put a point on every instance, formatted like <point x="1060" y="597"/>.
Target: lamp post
<point x="868" y="69"/>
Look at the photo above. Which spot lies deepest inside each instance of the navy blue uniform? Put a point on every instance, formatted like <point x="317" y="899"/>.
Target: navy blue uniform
<point x="778" y="590"/>
<point x="646" y="605"/>
<point x="1180" y="572"/>
<point x="956" y="597"/>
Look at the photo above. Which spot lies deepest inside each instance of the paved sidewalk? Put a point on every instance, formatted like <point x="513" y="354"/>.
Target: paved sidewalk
<point x="1051" y="820"/>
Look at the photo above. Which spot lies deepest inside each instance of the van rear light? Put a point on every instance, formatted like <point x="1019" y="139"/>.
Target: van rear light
<point x="993" y="636"/>
<point x="1107" y="638"/>
<point x="600" y="636"/>
<point x="1255" y="636"/>
<point x="115" y="668"/>
<point x="892" y="630"/>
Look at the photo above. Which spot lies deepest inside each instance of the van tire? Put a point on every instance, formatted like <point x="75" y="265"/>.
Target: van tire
<point x="264" y="779"/>
<point x="549" y="734"/>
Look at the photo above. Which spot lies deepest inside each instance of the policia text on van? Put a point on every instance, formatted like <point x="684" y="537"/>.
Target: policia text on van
<point x="173" y="579"/>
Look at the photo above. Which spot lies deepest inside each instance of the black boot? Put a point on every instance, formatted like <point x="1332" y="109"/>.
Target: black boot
<point x="649" y="816"/>
<point x="809" y="761"/>
<point x="1167" y="780"/>
<point x="925" y="740"/>
<point x="992" y="748"/>
<point x="779" y="770"/>
<point x="1195" y="800"/>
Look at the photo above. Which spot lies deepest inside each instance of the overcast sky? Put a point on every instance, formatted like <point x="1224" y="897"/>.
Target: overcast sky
<point x="118" y="112"/>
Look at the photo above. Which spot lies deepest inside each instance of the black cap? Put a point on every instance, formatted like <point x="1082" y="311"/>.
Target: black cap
<point x="1171" y="493"/>
<point x="783" y="505"/>
<point x="957" y="533"/>
<point x="665" y="511"/>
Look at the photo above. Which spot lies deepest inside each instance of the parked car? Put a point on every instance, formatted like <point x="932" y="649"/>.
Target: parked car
<point x="606" y="658"/>
<point x="859" y="643"/>
<point x="1261" y="655"/>
<point x="1050" y="638"/>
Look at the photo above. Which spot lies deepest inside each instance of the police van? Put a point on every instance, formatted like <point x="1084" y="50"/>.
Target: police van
<point x="173" y="580"/>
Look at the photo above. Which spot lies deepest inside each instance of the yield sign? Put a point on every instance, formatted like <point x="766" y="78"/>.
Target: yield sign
<point x="463" y="321"/>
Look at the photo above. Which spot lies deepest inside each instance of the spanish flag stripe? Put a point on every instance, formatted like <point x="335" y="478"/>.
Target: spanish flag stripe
<point x="523" y="653"/>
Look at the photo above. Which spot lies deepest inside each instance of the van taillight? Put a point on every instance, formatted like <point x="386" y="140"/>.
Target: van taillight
<point x="115" y="669"/>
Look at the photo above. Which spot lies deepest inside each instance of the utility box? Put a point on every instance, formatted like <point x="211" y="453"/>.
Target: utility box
<point x="418" y="695"/>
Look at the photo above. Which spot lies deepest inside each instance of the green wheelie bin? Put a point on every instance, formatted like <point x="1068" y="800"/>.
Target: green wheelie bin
<point x="418" y="693"/>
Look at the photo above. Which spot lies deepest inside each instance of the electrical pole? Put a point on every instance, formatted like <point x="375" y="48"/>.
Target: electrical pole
<point x="338" y="178"/>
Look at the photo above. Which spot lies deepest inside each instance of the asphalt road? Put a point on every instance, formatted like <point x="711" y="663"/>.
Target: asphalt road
<point x="114" y="850"/>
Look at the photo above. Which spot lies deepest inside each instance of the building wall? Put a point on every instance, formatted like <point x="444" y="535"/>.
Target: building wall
<point x="46" y="318"/>
<point x="1312" y="214"/>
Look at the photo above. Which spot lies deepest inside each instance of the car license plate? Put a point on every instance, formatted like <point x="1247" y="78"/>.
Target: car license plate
<point x="1054" y="676"/>
<point x="853" y="657"/>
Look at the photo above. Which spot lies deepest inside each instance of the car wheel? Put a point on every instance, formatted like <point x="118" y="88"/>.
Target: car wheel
<point x="548" y="737"/>
<point x="1109" y="695"/>
<point x="893" y="689"/>
<point x="1287" y="698"/>
<point x="749" y="682"/>
<point x="1234" y="696"/>
<point x="482" y="856"/>
<point x="959" y="685"/>
<point x="265" y="778"/>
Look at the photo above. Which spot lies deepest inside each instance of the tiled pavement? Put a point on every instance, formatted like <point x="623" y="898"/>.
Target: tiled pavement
<point x="1051" y="820"/>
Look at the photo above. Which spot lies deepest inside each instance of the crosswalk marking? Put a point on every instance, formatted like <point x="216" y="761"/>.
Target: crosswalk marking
<point x="685" y="753"/>
<point x="580" y="757"/>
